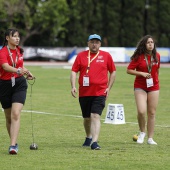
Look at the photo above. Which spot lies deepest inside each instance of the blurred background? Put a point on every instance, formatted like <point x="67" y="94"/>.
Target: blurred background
<point x="56" y="30"/>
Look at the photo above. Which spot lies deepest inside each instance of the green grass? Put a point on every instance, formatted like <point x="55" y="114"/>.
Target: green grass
<point x="60" y="133"/>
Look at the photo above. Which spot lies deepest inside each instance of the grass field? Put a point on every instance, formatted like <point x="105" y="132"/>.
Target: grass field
<point x="59" y="132"/>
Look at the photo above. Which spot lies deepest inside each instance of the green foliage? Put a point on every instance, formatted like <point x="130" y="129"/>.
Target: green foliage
<point x="132" y="22"/>
<point x="59" y="133"/>
<point x="164" y="27"/>
<point x="34" y="18"/>
<point x="85" y="19"/>
<point x="66" y="23"/>
<point x="111" y="23"/>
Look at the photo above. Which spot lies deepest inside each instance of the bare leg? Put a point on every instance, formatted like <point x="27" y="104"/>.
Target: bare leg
<point x="141" y="103"/>
<point x="87" y="123"/>
<point x="95" y="126"/>
<point x="8" y="119"/>
<point x="13" y="121"/>
<point x="152" y="104"/>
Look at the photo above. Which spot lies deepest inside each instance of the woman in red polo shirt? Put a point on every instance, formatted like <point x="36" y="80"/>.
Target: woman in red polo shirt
<point x="145" y="64"/>
<point x="13" y="84"/>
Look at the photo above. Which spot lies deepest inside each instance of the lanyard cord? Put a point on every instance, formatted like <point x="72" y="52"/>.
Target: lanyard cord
<point x="89" y="61"/>
<point x="149" y="66"/>
<point x="31" y="84"/>
<point x="10" y="54"/>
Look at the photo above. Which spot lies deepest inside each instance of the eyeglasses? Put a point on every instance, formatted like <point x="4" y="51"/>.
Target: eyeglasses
<point x="94" y="43"/>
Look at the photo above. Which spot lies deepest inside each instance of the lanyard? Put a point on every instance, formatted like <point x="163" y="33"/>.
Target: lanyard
<point x="89" y="61"/>
<point x="149" y="66"/>
<point x="10" y="54"/>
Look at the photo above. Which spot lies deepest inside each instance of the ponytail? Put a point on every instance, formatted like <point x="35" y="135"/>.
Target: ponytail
<point x="21" y="50"/>
<point x="8" y="33"/>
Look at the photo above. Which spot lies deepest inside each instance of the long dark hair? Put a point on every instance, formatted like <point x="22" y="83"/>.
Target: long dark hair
<point x="141" y="48"/>
<point x="11" y="32"/>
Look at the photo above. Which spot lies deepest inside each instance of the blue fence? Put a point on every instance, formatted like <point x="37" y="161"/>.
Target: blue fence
<point x="164" y="53"/>
<point x="119" y="54"/>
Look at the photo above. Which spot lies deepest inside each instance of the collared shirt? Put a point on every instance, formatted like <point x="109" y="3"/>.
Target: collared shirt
<point x="141" y="65"/>
<point x="5" y="58"/>
<point x="98" y="72"/>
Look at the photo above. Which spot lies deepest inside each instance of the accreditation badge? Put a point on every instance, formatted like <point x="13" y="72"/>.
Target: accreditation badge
<point x="149" y="82"/>
<point x="13" y="81"/>
<point x="86" y="81"/>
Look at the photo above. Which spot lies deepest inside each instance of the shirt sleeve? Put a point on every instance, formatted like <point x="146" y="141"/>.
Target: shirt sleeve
<point x="76" y="64"/>
<point x="132" y="65"/>
<point x="3" y="57"/>
<point x="111" y="65"/>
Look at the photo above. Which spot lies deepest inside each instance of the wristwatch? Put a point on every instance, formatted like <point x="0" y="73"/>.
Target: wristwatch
<point x="19" y="71"/>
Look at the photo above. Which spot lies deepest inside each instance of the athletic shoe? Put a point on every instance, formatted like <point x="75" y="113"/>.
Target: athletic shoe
<point x="87" y="142"/>
<point x="95" y="146"/>
<point x="13" y="149"/>
<point x="141" y="137"/>
<point x="151" y="141"/>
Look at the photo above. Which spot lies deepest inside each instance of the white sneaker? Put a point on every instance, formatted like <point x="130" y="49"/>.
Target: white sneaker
<point x="141" y="137"/>
<point x="151" y="142"/>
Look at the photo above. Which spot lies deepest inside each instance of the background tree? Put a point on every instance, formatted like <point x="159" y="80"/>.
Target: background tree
<point x="111" y="22"/>
<point x="84" y="19"/>
<point x="132" y="20"/>
<point x="39" y="21"/>
<point x="67" y="23"/>
<point x="163" y="15"/>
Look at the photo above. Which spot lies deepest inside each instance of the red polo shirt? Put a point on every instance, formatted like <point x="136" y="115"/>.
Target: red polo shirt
<point x="98" y="72"/>
<point x="140" y="65"/>
<point x="5" y="58"/>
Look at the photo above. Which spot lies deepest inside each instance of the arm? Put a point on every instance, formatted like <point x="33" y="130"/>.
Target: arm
<point x="28" y="74"/>
<point x="9" y="68"/>
<point x="73" y="83"/>
<point x="22" y="71"/>
<point x="138" y="73"/>
<point x="110" y="83"/>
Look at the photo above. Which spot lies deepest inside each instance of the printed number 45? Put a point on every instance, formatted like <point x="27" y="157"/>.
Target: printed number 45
<point x="120" y="115"/>
<point x="110" y="115"/>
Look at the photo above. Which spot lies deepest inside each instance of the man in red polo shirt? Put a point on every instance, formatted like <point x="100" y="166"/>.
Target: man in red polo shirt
<point x="93" y="66"/>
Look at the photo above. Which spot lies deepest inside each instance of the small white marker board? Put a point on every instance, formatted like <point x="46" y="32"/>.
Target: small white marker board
<point x="115" y="114"/>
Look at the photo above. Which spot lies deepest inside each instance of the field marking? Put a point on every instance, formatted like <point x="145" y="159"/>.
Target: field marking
<point x="54" y="114"/>
<point x="46" y="113"/>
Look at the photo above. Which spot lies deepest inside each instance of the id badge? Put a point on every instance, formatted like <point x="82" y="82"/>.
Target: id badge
<point x="13" y="81"/>
<point x="85" y="81"/>
<point x="149" y="82"/>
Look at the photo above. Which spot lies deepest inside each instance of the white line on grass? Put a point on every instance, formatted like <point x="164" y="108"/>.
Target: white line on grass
<point x="46" y="113"/>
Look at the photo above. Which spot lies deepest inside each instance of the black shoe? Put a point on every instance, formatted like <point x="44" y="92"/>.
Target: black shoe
<point x="87" y="142"/>
<point x="95" y="146"/>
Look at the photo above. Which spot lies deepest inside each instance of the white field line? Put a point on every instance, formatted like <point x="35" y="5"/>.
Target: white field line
<point x="54" y="114"/>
